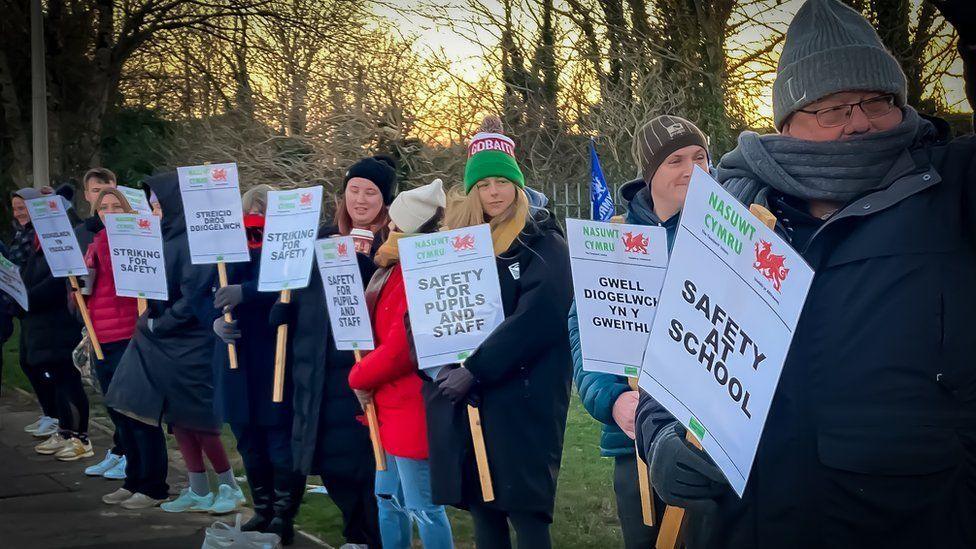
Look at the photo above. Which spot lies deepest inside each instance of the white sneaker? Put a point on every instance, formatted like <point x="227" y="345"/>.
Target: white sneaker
<point x="47" y="427"/>
<point x="117" y="472"/>
<point x="52" y="445"/>
<point x="117" y="496"/>
<point x="188" y="501"/>
<point x="140" y="501"/>
<point x="99" y="469"/>
<point x="74" y="449"/>
<point x="228" y="500"/>
<point x="33" y="426"/>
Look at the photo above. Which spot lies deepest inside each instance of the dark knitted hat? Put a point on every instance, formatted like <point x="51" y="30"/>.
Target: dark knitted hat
<point x="381" y="170"/>
<point x="654" y="142"/>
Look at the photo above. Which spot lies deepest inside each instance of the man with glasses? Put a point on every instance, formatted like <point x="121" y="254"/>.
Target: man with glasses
<point x="871" y="437"/>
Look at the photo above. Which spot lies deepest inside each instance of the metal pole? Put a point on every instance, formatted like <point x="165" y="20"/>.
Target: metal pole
<point x="39" y="97"/>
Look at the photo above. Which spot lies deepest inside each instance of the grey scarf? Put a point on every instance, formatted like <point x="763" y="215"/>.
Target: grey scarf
<point x="830" y="170"/>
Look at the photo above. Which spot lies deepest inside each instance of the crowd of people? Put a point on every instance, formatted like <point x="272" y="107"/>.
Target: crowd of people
<point x="870" y="440"/>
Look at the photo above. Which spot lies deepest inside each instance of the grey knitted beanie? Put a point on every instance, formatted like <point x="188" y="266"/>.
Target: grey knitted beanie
<point x="831" y="48"/>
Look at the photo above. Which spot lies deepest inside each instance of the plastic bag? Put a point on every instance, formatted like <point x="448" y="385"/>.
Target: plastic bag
<point x="224" y="536"/>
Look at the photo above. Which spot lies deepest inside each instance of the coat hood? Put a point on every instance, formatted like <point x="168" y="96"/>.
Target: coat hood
<point x="167" y="189"/>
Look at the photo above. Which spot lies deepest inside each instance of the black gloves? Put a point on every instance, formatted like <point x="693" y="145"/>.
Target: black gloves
<point x="454" y="383"/>
<point x="682" y="474"/>
<point x="228" y="296"/>
<point x="281" y="313"/>
<point x="226" y="331"/>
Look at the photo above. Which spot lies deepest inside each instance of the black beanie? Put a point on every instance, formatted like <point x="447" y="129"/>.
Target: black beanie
<point x="380" y="169"/>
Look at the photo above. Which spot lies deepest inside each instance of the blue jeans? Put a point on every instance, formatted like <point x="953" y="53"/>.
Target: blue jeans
<point x="403" y="496"/>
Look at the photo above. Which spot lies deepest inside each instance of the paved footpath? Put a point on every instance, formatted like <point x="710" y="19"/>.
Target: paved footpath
<point x="45" y="503"/>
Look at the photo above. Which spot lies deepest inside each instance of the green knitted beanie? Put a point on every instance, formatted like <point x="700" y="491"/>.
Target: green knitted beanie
<point x="491" y="154"/>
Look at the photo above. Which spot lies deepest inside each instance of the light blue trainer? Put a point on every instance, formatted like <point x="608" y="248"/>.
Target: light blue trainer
<point x="188" y="501"/>
<point x="99" y="469"/>
<point x="228" y="500"/>
<point x="117" y="472"/>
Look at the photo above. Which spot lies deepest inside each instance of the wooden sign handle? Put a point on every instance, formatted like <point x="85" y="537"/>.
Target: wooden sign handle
<point x="231" y="348"/>
<point x="80" y="301"/>
<point x="480" y="454"/>
<point x="141" y="305"/>
<point x="379" y="455"/>
<point x="672" y="527"/>
<point x="280" y="349"/>
<point x="643" y="476"/>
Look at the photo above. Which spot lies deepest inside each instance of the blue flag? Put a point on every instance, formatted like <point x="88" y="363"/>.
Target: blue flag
<point x="600" y="199"/>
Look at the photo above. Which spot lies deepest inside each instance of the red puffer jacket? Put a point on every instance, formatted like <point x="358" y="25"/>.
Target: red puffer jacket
<point x="113" y="317"/>
<point x="389" y="371"/>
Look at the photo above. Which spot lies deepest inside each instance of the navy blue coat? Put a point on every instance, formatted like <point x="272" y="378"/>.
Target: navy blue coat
<point x="243" y="396"/>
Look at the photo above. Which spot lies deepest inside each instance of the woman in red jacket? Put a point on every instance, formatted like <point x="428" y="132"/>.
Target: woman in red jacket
<point x="388" y="377"/>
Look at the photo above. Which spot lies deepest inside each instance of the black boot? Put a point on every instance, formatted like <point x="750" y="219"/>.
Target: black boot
<point x="289" y="488"/>
<point x="261" y="481"/>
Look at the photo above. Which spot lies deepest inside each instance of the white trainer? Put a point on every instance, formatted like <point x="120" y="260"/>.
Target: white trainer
<point x="117" y="472"/>
<point x="99" y="469"/>
<point x="33" y="426"/>
<point x="140" y="501"/>
<point x="188" y="501"/>
<point x="117" y="496"/>
<point x="48" y="427"/>
<point x="52" y="445"/>
<point x="74" y="449"/>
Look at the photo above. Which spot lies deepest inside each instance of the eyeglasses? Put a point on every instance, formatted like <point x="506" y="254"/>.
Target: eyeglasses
<point x="874" y="107"/>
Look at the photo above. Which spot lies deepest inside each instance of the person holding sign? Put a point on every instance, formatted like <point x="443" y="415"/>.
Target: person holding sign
<point x="665" y="151"/>
<point x="387" y="375"/>
<point x="166" y="374"/>
<point x="48" y="336"/>
<point x="520" y="375"/>
<point x="243" y="395"/>
<point x="114" y="321"/>
<point x="329" y="440"/>
<point x="869" y="439"/>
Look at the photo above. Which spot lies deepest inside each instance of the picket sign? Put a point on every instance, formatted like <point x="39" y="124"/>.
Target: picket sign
<point x="454" y="300"/>
<point x="291" y="223"/>
<point x="214" y="222"/>
<point x="12" y="283"/>
<point x="62" y="252"/>
<point x="672" y="533"/>
<point x="136" y="198"/>
<point x="136" y="252"/>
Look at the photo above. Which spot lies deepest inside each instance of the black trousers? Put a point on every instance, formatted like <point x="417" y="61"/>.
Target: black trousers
<point x="42" y="382"/>
<point x="104" y="371"/>
<point x="491" y="528"/>
<point x="264" y="448"/>
<point x="72" y="402"/>
<point x="147" y="462"/>
<point x="351" y="489"/>
<point x="636" y="534"/>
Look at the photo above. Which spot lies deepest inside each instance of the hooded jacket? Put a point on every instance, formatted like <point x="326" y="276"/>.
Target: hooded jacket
<point x="166" y="373"/>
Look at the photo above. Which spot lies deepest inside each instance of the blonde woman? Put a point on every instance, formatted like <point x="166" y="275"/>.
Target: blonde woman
<point x="520" y="376"/>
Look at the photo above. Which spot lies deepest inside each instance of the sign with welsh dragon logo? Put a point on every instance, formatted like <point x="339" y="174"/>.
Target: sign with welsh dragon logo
<point x="61" y="250"/>
<point x="214" y="218"/>
<point x="292" y="221"/>
<point x="453" y="294"/>
<point x="618" y="271"/>
<point x="731" y="300"/>
<point x="136" y="247"/>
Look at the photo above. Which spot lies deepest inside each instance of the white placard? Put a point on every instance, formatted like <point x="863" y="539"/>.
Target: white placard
<point x="618" y="271"/>
<point x="214" y="219"/>
<point x="730" y="303"/>
<point x="344" y="296"/>
<point x="453" y="294"/>
<point x="58" y="240"/>
<point x="11" y="282"/>
<point x="136" y="246"/>
<point x="137" y="199"/>
<point x="291" y="223"/>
